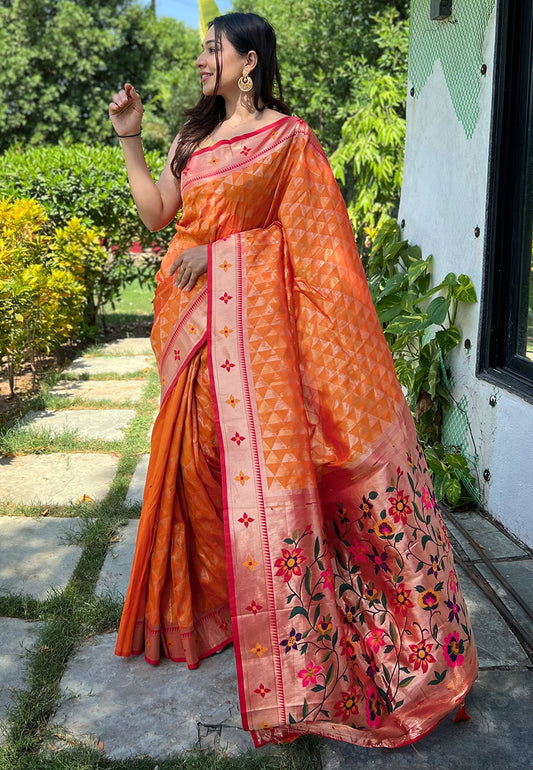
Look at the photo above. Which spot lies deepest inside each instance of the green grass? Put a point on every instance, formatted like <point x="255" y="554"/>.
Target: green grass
<point x="302" y="755"/>
<point x="134" y="305"/>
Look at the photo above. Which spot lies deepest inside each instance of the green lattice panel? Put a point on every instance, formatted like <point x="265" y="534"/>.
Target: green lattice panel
<point x="457" y="43"/>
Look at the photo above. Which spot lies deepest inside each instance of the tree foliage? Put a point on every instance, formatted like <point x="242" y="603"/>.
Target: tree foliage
<point x="62" y="60"/>
<point x="368" y="159"/>
<point x="172" y="85"/>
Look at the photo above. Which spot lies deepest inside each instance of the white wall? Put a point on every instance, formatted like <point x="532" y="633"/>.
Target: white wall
<point x="444" y="198"/>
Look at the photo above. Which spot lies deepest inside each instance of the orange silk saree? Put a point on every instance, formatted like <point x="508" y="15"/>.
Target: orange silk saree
<point x="288" y="507"/>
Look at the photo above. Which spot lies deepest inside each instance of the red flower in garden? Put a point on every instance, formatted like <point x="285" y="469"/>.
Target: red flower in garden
<point x="400" y="508"/>
<point x="347" y="705"/>
<point x="420" y="655"/>
<point x="289" y="563"/>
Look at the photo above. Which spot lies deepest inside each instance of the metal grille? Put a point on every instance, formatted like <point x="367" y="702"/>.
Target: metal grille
<point x="457" y="42"/>
<point x="456" y="435"/>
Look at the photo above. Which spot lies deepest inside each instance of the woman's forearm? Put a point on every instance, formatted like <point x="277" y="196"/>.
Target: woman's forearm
<point x="146" y="194"/>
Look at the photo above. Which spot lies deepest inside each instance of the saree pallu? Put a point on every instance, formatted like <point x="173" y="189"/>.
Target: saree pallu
<point x="288" y="506"/>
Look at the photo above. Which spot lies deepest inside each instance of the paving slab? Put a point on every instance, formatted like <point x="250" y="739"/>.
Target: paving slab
<point x="133" y="709"/>
<point x="519" y="574"/>
<point x="128" y="346"/>
<point x="17" y="637"/>
<point x="136" y="488"/>
<point x="87" y="424"/>
<point x="496" y="644"/>
<point x="56" y="479"/>
<point x="35" y="554"/>
<point x="115" y="572"/>
<point x="89" y="366"/>
<point x="495" y="544"/>
<point x="496" y="738"/>
<point x="100" y="390"/>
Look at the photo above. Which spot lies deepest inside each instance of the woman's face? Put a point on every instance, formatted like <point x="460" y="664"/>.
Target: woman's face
<point x="231" y="65"/>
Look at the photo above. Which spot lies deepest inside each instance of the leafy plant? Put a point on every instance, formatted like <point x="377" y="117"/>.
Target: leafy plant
<point x="88" y="185"/>
<point x="419" y="322"/>
<point x="45" y="282"/>
<point x="368" y="160"/>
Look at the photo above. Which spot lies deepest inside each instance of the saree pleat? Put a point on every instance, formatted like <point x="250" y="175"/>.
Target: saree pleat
<point x="288" y="506"/>
<point x="177" y="602"/>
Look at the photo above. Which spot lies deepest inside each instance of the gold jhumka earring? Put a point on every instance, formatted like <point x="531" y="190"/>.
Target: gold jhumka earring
<point x="245" y="83"/>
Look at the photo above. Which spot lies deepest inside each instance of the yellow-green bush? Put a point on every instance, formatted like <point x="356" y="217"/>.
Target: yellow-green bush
<point x="46" y="281"/>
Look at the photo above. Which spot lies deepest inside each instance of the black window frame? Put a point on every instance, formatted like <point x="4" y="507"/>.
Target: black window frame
<point x="510" y="204"/>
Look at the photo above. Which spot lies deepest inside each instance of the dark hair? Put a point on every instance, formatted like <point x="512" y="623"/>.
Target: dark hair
<point x="246" y="32"/>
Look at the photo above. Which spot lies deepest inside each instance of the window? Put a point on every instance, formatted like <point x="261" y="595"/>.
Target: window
<point x="506" y="350"/>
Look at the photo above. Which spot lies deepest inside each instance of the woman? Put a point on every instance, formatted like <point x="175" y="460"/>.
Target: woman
<point x="288" y="506"/>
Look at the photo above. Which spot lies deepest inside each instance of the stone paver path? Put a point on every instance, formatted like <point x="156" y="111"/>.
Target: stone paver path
<point x="136" y="490"/>
<point x="115" y="573"/>
<point x="56" y="479"/>
<point x="99" y="390"/>
<point x="97" y="365"/>
<point x="17" y="638"/>
<point x="85" y="424"/>
<point x="128" y="708"/>
<point x="36" y="555"/>
<point x="162" y="710"/>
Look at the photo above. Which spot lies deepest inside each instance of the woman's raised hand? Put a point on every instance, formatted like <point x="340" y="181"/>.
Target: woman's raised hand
<point x="126" y="111"/>
<point x="190" y="264"/>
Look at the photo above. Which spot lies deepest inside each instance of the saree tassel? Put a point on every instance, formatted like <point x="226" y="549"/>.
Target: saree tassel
<point x="462" y="714"/>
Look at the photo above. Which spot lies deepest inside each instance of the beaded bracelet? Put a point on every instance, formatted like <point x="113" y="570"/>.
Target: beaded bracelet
<point x="129" y="136"/>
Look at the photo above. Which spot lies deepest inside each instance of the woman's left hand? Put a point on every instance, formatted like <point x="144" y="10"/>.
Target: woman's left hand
<point x="190" y="264"/>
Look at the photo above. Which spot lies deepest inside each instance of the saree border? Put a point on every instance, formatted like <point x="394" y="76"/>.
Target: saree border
<point x="184" y="338"/>
<point x="236" y="411"/>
